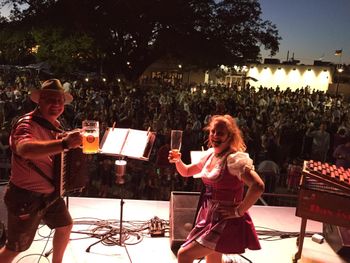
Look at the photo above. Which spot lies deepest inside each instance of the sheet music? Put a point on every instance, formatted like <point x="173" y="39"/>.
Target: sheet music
<point x="113" y="140"/>
<point x="127" y="142"/>
<point x="135" y="144"/>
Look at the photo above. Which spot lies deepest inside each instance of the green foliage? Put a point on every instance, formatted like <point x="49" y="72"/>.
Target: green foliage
<point x="15" y="46"/>
<point x="126" y="36"/>
<point x="65" y="53"/>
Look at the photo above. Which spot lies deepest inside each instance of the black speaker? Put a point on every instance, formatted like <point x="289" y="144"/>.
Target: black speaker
<point x="183" y="208"/>
<point x="338" y="238"/>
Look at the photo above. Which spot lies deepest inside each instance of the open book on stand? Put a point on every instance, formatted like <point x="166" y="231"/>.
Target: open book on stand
<point x="132" y="143"/>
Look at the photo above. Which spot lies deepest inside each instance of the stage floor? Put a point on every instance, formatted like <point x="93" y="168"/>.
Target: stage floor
<point x="92" y="215"/>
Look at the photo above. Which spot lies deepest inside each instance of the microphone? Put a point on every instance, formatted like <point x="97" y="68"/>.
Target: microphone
<point x="120" y="168"/>
<point x="219" y="142"/>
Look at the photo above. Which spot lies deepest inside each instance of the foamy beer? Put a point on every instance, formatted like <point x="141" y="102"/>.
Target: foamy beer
<point x="91" y="140"/>
<point x="175" y="144"/>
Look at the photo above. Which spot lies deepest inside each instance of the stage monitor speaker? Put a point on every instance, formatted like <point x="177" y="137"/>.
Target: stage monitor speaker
<point x="338" y="238"/>
<point x="183" y="208"/>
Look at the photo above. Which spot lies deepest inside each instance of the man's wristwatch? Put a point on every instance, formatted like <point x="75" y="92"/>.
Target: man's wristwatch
<point x="64" y="144"/>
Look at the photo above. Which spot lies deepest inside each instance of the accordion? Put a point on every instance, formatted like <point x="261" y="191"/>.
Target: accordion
<point x="70" y="172"/>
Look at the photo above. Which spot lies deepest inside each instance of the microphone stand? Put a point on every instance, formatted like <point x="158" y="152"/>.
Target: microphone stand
<point x="120" y="168"/>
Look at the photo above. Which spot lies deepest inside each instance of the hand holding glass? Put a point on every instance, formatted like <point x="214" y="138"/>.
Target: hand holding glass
<point x="175" y="145"/>
<point x="90" y="137"/>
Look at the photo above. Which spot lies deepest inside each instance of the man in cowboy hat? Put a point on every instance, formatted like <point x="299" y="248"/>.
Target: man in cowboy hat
<point x="30" y="196"/>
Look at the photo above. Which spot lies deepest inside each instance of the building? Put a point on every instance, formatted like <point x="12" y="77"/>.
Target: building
<point x="320" y="76"/>
<point x="289" y="76"/>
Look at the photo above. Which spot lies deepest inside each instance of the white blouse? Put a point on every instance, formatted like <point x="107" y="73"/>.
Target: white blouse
<point x="236" y="163"/>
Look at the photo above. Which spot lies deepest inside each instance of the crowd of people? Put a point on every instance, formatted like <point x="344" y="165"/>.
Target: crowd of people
<point x="283" y="127"/>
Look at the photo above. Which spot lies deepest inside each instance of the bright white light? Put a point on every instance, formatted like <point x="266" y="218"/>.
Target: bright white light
<point x="323" y="78"/>
<point x="294" y="79"/>
<point x="266" y="77"/>
<point x="280" y="76"/>
<point x="308" y="77"/>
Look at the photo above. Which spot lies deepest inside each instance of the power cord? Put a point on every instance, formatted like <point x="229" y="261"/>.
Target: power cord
<point x="273" y="234"/>
<point x="41" y="254"/>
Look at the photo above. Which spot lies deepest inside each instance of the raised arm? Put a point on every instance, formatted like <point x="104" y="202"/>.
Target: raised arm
<point x="185" y="170"/>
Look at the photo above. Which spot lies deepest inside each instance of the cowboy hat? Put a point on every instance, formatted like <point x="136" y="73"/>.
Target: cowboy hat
<point x="51" y="85"/>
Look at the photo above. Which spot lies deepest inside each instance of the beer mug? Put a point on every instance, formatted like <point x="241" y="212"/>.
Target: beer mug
<point x="91" y="140"/>
<point x="175" y="143"/>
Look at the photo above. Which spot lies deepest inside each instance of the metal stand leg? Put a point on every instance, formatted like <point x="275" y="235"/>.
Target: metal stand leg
<point x="300" y="242"/>
<point x="119" y="180"/>
<point x="121" y="222"/>
<point x="112" y="233"/>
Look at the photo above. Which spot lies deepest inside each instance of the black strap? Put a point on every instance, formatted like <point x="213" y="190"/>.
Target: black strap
<point x="44" y="123"/>
<point x="200" y="199"/>
<point x="39" y="171"/>
<point x="41" y="121"/>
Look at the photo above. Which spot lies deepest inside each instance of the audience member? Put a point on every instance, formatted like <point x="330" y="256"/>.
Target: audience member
<point x="277" y="117"/>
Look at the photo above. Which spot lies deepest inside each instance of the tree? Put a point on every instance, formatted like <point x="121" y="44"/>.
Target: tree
<point x="15" y="45"/>
<point x="126" y="36"/>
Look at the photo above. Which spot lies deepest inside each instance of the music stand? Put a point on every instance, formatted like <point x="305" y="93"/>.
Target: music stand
<point x="124" y="143"/>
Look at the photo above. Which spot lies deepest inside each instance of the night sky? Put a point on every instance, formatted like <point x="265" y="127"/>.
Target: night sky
<point x="311" y="29"/>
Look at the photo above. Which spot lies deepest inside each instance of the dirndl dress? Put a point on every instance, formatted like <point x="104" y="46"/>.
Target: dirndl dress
<point x="227" y="236"/>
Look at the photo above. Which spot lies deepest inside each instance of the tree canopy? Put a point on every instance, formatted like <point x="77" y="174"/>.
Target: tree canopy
<point x="126" y="36"/>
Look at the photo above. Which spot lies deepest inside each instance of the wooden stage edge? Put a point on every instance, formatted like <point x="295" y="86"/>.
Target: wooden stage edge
<point x="90" y="213"/>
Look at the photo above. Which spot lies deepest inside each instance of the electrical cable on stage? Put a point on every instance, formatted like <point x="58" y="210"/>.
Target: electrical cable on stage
<point x="108" y="231"/>
<point x="273" y="234"/>
<point x="42" y="237"/>
<point x="4" y="182"/>
<point x="41" y="255"/>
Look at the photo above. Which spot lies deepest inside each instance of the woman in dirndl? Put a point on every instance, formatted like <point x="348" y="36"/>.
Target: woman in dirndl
<point x="223" y="224"/>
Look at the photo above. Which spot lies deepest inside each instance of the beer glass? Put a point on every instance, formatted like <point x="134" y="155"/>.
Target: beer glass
<point x="90" y="136"/>
<point x="175" y="143"/>
<point x="120" y="168"/>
